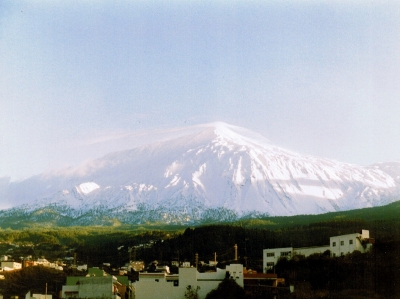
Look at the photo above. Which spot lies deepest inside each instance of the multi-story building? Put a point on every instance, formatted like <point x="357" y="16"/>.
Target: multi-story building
<point x="162" y="285"/>
<point x="338" y="246"/>
<point x="272" y="256"/>
<point x="10" y="265"/>
<point x="30" y="295"/>
<point x="344" y="244"/>
<point x="92" y="287"/>
<point x="97" y="284"/>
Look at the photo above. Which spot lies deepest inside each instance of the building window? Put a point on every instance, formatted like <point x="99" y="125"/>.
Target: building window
<point x="334" y="244"/>
<point x="285" y="253"/>
<point x="270" y="264"/>
<point x="270" y="254"/>
<point x="341" y="242"/>
<point x="350" y="242"/>
<point x="176" y="283"/>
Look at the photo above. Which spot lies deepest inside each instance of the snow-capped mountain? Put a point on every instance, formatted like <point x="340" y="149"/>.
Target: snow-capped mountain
<point x="213" y="172"/>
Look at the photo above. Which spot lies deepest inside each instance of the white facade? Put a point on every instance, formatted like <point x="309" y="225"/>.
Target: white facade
<point x="339" y="245"/>
<point x="10" y="266"/>
<point x="82" y="268"/>
<point x="272" y="256"/>
<point x="307" y="251"/>
<point x="46" y="263"/>
<point x="163" y="286"/>
<point x="92" y="287"/>
<point x="344" y="244"/>
<point x="38" y="296"/>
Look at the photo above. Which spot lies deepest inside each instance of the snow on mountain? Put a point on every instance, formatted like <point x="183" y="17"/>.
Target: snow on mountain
<point x="86" y="188"/>
<point x="214" y="172"/>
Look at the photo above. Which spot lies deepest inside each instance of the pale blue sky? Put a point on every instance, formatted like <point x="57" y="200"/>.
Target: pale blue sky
<point x="316" y="77"/>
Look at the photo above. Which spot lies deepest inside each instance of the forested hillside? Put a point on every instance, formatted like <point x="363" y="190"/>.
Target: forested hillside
<point x="95" y="244"/>
<point x="376" y="272"/>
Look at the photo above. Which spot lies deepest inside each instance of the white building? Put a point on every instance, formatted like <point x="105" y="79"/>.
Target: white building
<point x="10" y="266"/>
<point x="344" y="244"/>
<point x="105" y="287"/>
<point x="339" y="245"/>
<point x="45" y="263"/>
<point x="29" y="295"/>
<point x="307" y="251"/>
<point x="164" y="286"/>
<point x="82" y="267"/>
<point x="272" y="256"/>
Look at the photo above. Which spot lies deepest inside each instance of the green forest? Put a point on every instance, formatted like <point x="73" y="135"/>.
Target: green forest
<point x="370" y="275"/>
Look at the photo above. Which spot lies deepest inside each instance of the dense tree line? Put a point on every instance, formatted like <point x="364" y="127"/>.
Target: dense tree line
<point x="228" y="288"/>
<point x="38" y="279"/>
<point x="369" y="275"/>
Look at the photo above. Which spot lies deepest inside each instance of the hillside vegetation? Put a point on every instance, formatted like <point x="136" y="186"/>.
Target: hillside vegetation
<point x="251" y="235"/>
<point x="376" y="272"/>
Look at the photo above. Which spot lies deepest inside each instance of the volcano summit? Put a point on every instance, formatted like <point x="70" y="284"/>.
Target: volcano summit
<point x="211" y="172"/>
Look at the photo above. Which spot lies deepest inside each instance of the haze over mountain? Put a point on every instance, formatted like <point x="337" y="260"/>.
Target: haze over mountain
<point x="211" y="172"/>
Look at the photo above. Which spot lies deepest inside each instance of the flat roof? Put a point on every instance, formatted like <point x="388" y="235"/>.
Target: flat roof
<point x="311" y="247"/>
<point x="260" y="276"/>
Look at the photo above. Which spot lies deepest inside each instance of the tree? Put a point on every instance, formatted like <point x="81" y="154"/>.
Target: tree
<point x="228" y="288"/>
<point x="191" y="293"/>
<point x="19" y="282"/>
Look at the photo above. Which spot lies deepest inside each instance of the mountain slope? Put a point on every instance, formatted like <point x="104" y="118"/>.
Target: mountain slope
<point x="215" y="172"/>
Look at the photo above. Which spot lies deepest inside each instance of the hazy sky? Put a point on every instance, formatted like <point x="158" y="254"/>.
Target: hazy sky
<point x="316" y="77"/>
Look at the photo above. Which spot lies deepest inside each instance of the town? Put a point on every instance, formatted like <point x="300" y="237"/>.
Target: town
<point x="172" y="279"/>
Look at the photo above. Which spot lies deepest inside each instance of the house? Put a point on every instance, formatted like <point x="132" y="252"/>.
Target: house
<point x="158" y="285"/>
<point x="45" y="263"/>
<point x="42" y="261"/>
<point x="29" y="295"/>
<point x="97" y="284"/>
<point x="10" y="266"/>
<point x="344" y="244"/>
<point x="82" y="268"/>
<point x="91" y="287"/>
<point x="338" y="246"/>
